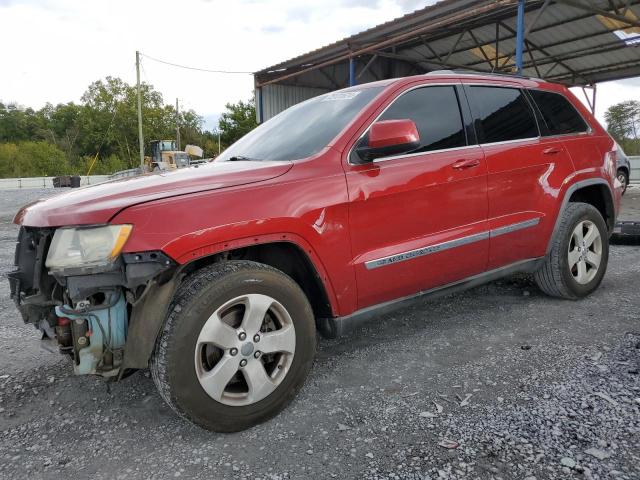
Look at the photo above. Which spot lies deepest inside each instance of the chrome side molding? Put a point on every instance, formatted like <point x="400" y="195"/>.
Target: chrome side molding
<point x="427" y="250"/>
<point x="514" y="227"/>
<point x="458" y="242"/>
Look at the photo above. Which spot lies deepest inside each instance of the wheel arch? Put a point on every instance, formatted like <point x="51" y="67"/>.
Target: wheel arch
<point x="287" y="256"/>
<point x="594" y="191"/>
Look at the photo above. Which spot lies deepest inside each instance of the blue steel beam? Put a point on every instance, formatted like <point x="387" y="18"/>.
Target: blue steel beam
<point x="352" y="71"/>
<point x="520" y="36"/>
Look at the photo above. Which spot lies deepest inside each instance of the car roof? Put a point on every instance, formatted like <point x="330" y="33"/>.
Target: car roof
<point x="451" y="75"/>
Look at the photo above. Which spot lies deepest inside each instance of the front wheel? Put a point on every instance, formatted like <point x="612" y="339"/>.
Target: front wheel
<point x="579" y="254"/>
<point x="236" y="347"/>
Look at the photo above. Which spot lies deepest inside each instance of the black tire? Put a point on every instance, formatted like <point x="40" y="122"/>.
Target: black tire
<point x="172" y="363"/>
<point x="622" y="174"/>
<point x="554" y="277"/>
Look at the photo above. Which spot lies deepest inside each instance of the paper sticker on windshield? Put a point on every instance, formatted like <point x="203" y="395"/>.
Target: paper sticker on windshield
<point x="338" y="96"/>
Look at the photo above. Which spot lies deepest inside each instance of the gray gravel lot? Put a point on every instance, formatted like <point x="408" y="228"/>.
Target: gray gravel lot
<point x="498" y="382"/>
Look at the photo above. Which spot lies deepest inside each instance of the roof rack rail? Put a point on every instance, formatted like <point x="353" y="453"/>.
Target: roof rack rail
<point x="473" y="72"/>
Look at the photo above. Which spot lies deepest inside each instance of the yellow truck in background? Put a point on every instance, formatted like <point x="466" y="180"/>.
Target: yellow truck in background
<point x="166" y="156"/>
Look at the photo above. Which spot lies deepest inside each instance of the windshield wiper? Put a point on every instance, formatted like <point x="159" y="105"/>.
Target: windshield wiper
<point x="240" y="158"/>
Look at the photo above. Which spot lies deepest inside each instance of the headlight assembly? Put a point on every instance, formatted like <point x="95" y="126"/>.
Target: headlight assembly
<point x="86" y="246"/>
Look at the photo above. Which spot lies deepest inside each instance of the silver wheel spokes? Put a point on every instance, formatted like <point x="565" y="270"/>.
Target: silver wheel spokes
<point x="585" y="252"/>
<point x="245" y="349"/>
<point x="622" y="179"/>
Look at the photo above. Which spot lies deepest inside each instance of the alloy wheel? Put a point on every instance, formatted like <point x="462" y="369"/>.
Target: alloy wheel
<point x="585" y="252"/>
<point x="245" y="349"/>
<point x="622" y="178"/>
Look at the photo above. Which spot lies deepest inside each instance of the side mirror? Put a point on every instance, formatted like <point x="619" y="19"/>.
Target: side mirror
<point x="390" y="137"/>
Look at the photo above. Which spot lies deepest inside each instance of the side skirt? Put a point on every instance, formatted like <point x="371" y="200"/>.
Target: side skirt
<point x="338" y="326"/>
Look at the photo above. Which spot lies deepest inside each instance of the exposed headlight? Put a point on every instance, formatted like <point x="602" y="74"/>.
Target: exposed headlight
<point x="86" y="246"/>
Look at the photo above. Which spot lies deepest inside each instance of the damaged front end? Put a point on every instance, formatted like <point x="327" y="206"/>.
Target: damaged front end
<point x="77" y="288"/>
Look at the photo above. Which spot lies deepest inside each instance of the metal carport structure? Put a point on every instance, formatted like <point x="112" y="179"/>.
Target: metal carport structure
<point x="579" y="43"/>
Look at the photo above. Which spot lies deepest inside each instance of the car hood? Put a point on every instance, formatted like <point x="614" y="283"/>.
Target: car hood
<point x="99" y="203"/>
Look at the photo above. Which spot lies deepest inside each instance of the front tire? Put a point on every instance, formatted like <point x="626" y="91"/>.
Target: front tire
<point x="579" y="254"/>
<point x="236" y="347"/>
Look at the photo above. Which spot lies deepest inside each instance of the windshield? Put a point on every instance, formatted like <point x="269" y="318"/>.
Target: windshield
<point x="302" y="130"/>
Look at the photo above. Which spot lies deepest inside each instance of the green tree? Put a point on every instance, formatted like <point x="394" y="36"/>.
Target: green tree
<point x="59" y="125"/>
<point x="238" y="120"/>
<point x="17" y="123"/>
<point x="32" y="159"/>
<point x="108" y="119"/>
<point x="103" y="123"/>
<point x="8" y="160"/>
<point x="623" y="123"/>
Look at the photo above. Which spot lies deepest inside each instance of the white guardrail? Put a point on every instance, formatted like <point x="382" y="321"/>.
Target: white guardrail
<point x="46" y="182"/>
<point x="634" y="175"/>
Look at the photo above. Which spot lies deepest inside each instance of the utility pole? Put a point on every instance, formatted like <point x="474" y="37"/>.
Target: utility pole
<point x="177" y="125"/>
<point x="140" y="137"/>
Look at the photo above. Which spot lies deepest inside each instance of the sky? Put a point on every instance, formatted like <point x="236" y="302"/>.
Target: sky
<point x="53" y="49"/>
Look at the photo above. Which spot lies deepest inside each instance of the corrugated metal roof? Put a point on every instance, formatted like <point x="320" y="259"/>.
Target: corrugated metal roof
<point x="406" y="21"/>
<point x="568" y="43"/>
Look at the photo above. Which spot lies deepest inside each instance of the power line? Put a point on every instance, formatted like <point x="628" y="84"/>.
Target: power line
<point x="113" y="117"/>
<point x="194" y="68"/>
<point x="144" y="73"/>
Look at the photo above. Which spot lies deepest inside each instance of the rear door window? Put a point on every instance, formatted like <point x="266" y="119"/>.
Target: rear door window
<point x="436" y="113"/>
<point x="502" y="114"/>
<point x="559" y="115"/>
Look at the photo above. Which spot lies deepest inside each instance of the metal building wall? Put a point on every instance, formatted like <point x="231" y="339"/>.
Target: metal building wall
<point x="277" y="97"/>
<point x="273" y="99"/>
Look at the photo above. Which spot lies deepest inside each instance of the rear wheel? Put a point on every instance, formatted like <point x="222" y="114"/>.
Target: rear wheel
<point x="236" y="347"/>
<point x="579" y="254"/>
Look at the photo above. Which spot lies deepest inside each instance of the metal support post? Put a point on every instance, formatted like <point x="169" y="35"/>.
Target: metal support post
<point x="352" y="71"/>
<point x="520" y="36"/>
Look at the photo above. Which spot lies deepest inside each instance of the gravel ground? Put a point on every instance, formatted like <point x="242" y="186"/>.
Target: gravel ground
<point x="499" y="382"/>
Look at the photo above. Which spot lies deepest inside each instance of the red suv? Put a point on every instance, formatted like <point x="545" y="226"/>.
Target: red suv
<point x="217" y="277"/>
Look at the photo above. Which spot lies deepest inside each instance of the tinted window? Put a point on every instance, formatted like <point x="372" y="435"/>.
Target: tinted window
<point x="560" y="116"/>
<point x="503" y="114"/>
<point x="304" y="129"/>
<point x="436" y="113"/>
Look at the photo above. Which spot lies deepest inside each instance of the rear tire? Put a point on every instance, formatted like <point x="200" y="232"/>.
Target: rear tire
<point x="579" y="254"/>
<point x="208" y="364"/>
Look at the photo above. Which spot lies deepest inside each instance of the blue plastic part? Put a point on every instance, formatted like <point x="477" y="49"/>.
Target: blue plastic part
<point x="113" y="334"/>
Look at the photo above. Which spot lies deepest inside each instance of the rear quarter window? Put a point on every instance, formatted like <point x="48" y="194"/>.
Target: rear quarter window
<point x="558" y="113"/>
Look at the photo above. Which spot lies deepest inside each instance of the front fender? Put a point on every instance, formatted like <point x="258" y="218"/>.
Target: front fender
<point x="183" y="255"/>
<point x="310" y="212"/>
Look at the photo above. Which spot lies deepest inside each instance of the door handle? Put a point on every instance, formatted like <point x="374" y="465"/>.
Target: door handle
<point x="466" y="163"/>
<point x="551" y="151"/>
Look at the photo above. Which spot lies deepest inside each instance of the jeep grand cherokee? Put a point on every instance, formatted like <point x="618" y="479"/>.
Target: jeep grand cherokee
<point x="339" y="208"/>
